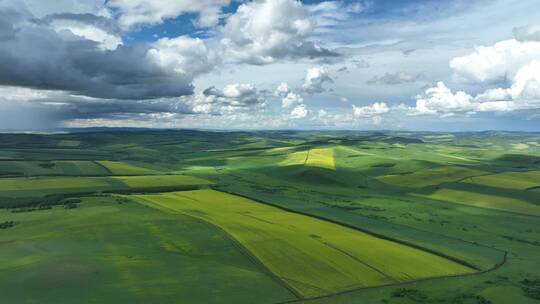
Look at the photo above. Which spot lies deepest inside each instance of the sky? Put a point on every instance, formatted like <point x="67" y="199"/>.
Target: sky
<point x="425" y="65"/>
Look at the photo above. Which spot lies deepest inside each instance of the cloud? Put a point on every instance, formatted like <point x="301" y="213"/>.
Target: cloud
<point x="288" y="97"/>
<point x="282" y="89"/>
<point x="375" y="109"/>
<point x="315" y="79"/>
<point x="87" y="26"/>
<point x="513" y="64"/>
<point x="497" y="63"/>
<point x="183" y="55"/>
<point x="524" y="93"/>
<point x="440" y="99"/>
<point x="329" y="14"/>
<point x="299" y="112"/>
<point x="527" y="33"/>
<point x="393" y="78"/>
<point x="261" y="32"/>
<point x="232" y="98"/>
<point x="64" y="107"/>
<point x="35" y="55"/>
<point x="143" y="12"/>
<point x="291" y="99"/>
<point x="40" y="8"/>
<point x="361" y="63"/>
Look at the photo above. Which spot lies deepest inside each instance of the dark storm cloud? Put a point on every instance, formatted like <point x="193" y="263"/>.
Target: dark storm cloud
<point x="35" y="56"/>
<point x="85" y="109"/>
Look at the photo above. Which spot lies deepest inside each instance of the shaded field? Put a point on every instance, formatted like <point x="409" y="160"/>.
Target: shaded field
<point x="42" y="186"/>
<point x="30" y="168"/>
<point x="311" y="256"/>
<point x="509" y="180"/>
<point x="482" y="200"/>
<point x="430" y="177"/>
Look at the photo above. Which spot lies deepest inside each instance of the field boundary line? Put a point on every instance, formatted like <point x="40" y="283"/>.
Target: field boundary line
<point x="307" y="157"/>
<point x="358" y="260"/>
<point x="97" y="163"/>
<point x="532" y="188"/>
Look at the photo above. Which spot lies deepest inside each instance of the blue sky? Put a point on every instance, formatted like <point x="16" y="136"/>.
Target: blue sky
<point x="270" y="64"/>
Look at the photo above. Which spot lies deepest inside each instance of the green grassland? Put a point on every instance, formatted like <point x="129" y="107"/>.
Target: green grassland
<point x="41" y="186"/>
<point x="110" y="252"/>
<point x="486" y="201"/>
<point x="124" y="168"/>
<point x="44" y="168"/>
<point x="512" y="180"/>
<point x="187" y="216"/>
<point x="312" y="256"/>
<point x="430" y="177"/>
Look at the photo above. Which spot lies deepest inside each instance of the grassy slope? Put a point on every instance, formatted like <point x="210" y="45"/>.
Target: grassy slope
<point x="510" y="180"/>
<point x="314" y="257"/>
<point x="106" y="252"/>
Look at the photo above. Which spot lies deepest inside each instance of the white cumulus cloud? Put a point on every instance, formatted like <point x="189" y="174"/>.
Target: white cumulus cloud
<point x="496" y="63"/>
<point x="299" y="112"/>
<point x="315" y="79"/>
<point x="260" y="32"/>
<point x="440" y="99"/>
<point x="233" y="98"/>
<point x="183" y="55"/>
<point x="291" y="99"/>
<point x="375" y="109"/>
<point x="282" y="89"/>
<point x="140" y="12"/>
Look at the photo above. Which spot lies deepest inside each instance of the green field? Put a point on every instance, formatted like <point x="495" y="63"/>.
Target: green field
<point x="311" y="256"/>
<point x="44" y="168"/>
<point x="123" y="168"/>
<point x="321" y="158"/>
<point x="430" y="177"/>
<point x="486" y="201"/>
<point x="106" y="252"/>
<point x="41" y="186"/>
<point x="511" y="180"/>
<point x="188" y="216"/>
